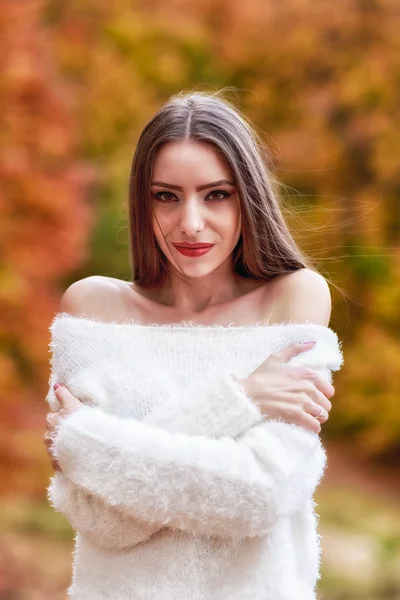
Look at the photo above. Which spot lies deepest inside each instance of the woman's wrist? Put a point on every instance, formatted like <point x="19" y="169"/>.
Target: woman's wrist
<point x="248" y="386"/>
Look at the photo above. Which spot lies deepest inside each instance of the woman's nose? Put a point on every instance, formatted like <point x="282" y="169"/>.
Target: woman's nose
<point x="192" y="220"/>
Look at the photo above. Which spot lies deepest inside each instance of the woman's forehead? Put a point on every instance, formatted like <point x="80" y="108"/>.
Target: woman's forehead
<point x="189" y="160"/>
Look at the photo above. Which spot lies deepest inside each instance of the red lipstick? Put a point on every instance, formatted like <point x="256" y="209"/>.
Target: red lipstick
<point x="197" y="249"/>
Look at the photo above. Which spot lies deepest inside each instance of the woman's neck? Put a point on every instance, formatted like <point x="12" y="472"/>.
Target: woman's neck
<point x="198" y="295"/>
<point x="246" y="299"/>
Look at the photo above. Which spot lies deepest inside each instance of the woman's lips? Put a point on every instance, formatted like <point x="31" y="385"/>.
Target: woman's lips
<point x="193" y="251"/>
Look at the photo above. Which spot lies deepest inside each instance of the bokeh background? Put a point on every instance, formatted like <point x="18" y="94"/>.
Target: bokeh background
<point x="321" y="82"/>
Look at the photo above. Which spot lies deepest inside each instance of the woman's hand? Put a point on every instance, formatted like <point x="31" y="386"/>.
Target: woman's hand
<point x="292" y="393"/>
<point x="69" y="404"/>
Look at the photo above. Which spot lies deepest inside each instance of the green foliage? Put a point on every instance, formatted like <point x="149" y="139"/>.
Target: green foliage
<point x="27" y="517"/>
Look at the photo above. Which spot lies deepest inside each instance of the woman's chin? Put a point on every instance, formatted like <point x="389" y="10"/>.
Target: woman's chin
<point x="196" y="271"/>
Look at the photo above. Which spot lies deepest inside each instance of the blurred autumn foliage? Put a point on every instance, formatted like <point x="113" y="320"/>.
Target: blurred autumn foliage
<point x="79" y="80"/>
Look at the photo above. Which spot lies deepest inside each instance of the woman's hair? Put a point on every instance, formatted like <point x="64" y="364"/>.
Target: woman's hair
<point x="265" y="248"/>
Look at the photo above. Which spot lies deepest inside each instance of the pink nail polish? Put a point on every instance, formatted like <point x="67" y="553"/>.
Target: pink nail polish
<point x="56" y="385"/>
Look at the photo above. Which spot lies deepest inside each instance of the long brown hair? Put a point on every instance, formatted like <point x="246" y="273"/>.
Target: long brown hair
<point x="266" y="247"/>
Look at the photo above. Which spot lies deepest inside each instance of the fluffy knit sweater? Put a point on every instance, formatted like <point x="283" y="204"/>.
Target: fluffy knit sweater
<point x="176" y="485"/>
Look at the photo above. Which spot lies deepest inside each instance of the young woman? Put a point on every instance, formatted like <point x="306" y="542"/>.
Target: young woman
<point x="184" y="424"/>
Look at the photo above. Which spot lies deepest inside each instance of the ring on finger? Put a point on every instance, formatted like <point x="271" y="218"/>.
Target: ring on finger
<point x="321" y="416"/>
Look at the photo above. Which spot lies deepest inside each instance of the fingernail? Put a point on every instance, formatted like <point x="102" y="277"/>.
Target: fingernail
<point x="56" y="385"/>
<point x="312" y="342"/>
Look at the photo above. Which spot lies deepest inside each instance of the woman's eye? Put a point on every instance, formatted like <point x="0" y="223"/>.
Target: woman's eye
<point x="215" y="195"/>
<point x="218" y="193"/>
<point x="160" y="196"/>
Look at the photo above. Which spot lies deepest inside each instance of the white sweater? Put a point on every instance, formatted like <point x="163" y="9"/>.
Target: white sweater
<point x="176" y="486"/>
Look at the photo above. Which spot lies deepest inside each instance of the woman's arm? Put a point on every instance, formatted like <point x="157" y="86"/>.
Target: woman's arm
<point x="223" y="487"/>
<point x="216" y="408"/>
<point x="105" y="526"/>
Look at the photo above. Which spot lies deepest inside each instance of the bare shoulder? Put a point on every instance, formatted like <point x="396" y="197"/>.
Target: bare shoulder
<point x="303" y="295"/>
<point x="94" y="296"/>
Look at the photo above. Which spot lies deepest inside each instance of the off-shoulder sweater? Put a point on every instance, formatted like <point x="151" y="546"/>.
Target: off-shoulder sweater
<point x="177" y="486"/>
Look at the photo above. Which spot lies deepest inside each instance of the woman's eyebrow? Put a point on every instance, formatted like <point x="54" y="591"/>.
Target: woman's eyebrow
<point x="198" y="189"/>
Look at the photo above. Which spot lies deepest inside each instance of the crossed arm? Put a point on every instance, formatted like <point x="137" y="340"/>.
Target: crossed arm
<point x="217" y="408"/>
<point x="206" y="463"/>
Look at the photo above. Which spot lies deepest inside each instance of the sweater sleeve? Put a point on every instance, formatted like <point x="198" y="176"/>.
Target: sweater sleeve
<point x="227" y="487"/>
<point x="105" y="526"/>
<point x="218" y="407"/>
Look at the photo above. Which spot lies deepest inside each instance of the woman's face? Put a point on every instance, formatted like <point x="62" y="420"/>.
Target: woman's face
<point x="194" y="199"/>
